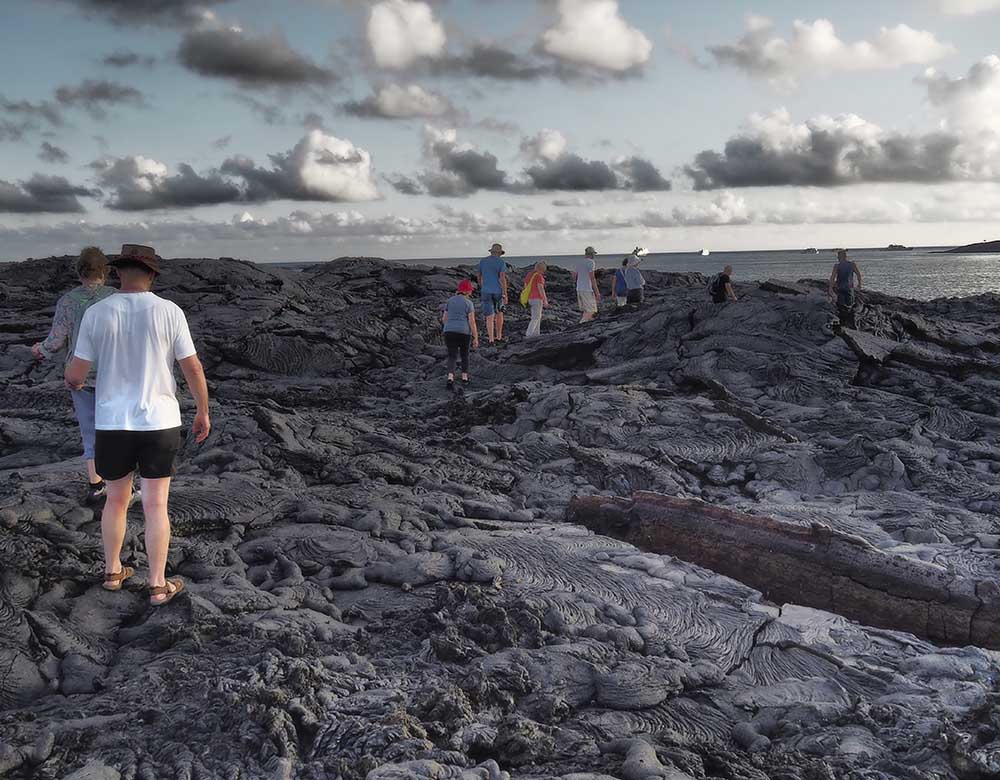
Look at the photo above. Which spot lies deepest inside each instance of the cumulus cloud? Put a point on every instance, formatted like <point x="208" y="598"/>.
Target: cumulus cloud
<point x="971" y="102"/>
<point x="252" y="61"/>
<point x="816" y="47"/>
<point x="42" y="194"/>
<point x="52" y="154"/>
<point x="571" y="172"/>
<point x="968" y="7"/>
<point x="829" y="151"/>
<point x="96" y="96"/>
<point x="320" y="167"/>
<point x="592" y="33"/>
<point x="641" y="175"/>
<point x="139" y="183"/>
<point x="400" y="101"/>
<point x="401" y="32"/>
<point x="459" y="169"/>
<point x="169" y="12"/>
<point x="547" y="144"/>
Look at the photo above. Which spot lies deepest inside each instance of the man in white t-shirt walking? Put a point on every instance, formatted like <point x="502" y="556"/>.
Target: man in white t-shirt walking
<point x="587" y="294"/>
<point x="135" y="337"/>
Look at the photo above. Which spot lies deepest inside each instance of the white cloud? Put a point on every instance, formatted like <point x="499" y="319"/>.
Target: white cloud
<point x="971" y="102"/>
<point x="828" y="151"/>
<point x="400" y="32"/>
<point x="593" y="33"/>
<point x="331" y="168"/>
<point x="545" y="145"/>
<point x="399" y="101"/>
<point x="815" y="47"/>
<point x="968" y="7"/>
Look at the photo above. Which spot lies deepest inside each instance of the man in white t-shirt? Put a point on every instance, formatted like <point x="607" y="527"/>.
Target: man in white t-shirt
<point x="587" y="294"/>
<point x="135" y="337"/>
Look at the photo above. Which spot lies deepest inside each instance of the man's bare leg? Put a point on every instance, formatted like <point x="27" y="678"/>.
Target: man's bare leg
<point x="499" y="326"/>
<point x="113" y="522"/>
<point x="490" y="319"/>
<point x="154" y="508"/>
<point x="92" y="474"/>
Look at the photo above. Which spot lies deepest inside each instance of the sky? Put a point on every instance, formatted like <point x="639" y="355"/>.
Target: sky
<point x="292" y="130"/>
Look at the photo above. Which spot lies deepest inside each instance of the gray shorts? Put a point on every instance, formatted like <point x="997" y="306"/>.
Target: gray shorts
<point x="845" y="298"/>
<point x="85" y="404"/>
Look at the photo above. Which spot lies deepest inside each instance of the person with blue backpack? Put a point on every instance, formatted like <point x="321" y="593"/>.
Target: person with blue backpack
<point x="619" y="287"/>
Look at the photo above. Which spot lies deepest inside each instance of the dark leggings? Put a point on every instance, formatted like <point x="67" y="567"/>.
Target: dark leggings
<point x="458" y="343"/>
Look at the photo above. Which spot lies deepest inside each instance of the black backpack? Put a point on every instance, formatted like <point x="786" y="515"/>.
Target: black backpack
<point x="715" y="286"/>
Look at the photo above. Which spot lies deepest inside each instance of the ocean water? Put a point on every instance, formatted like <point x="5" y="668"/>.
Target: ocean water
<point x="921" y="273"/>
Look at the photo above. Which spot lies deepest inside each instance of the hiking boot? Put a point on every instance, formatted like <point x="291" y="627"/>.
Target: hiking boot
<point x="95" y="492"/>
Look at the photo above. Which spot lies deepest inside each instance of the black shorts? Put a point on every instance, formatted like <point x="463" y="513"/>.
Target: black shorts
<point x="118" y="453"/>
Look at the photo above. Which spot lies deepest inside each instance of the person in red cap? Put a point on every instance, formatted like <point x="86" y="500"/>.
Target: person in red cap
<point x="134" y="337"/>
<point x="460" y="330"/>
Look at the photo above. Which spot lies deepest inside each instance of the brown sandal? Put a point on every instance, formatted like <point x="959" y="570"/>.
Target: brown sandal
<point x="164" y="590"/>
<point x="115" y="581"/>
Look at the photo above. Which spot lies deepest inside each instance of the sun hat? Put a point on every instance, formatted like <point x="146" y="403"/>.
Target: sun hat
<point x="590" y="251"/>
<point x="464" y="287"/>
<point x="497" y="248"/>
<point x="137" y="253"/>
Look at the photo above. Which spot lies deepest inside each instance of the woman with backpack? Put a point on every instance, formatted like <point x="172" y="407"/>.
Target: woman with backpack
<point x="533" y="295"/>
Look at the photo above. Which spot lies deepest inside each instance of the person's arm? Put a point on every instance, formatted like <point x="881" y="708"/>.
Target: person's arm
<point x="503" y="285"/>
<point x="473" y="328"/>
<point x="62" y="326"/>
<point x="730" y="292"/>
<point x="857" y="272"/>
<point x="76" y="372"/>
<point x="833" y="281"/>
<point x="541" y="289"/>
<point x="593" y="285"/>
<point x="194" y="375"/>
<point x="444" y="316"/>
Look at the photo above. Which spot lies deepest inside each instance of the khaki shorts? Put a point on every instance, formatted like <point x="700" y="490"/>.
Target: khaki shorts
<point x="587" y="301"/>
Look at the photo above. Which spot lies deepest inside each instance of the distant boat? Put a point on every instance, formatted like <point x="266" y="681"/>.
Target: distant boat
<point x="810" y="251"/>
<point x="705" y="253"/>
<point x="898" y="248"/>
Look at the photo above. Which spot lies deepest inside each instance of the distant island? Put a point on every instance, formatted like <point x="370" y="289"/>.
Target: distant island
<point x="983" y="248"/>
<point x="898" y="248"/>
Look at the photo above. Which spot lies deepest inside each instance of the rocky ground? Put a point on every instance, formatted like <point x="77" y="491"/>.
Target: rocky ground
<point x="382" y="581"/>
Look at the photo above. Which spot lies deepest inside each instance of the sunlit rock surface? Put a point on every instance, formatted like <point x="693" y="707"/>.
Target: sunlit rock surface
<point x="382" y="582"/>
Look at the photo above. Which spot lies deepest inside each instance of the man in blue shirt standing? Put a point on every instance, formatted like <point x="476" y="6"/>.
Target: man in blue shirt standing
<point x="493" y="287"/>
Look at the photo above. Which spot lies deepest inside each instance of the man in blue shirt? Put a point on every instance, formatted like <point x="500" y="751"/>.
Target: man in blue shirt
<point x="493" y="288"/>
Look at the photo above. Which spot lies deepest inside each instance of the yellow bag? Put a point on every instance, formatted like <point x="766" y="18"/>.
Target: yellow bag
<point x="526" y="291"/>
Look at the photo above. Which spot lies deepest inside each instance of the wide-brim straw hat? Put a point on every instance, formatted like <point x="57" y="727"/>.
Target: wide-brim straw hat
<point x="498" y="248"/>
<point x="589" y="251"/>
<point x="138" y="253"/>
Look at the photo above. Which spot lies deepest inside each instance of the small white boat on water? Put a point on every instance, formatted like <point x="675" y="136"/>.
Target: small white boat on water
<point x="705" y="253"/>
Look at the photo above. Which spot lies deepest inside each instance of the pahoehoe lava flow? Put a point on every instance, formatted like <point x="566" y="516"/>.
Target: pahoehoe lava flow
<point x="384" y="583"/>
